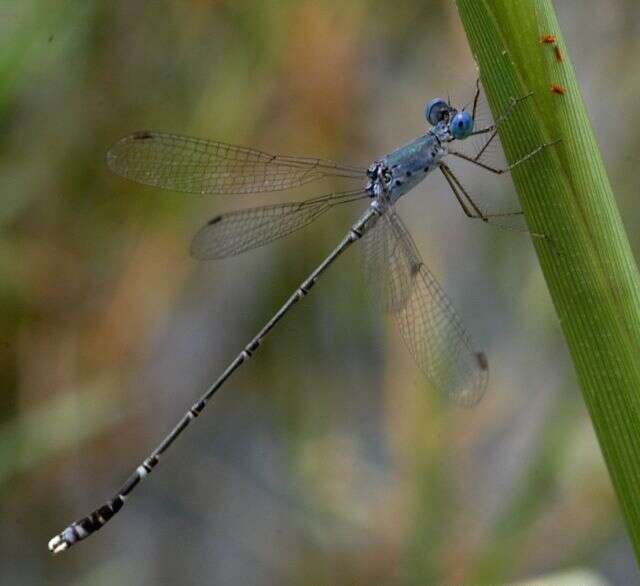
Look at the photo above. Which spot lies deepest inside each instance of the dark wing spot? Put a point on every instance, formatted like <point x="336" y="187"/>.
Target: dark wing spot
<point x="213" y="221"/>
<point x="398" y="182"/>
<point x="483" y="363"/>
<point x="141" y="135"/>
<point x="408" y="173"/>
<point x="426" y="169"/>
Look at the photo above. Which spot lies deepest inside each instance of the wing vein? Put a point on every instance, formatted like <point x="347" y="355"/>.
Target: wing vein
<point x="192" y="165"/>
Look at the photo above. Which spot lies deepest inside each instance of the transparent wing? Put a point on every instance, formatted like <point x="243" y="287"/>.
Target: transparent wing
<point x="387" y="269"/>
<point x="194" y="165"/>
<point x="235" y="232"/>
<point x="428" y="322"/>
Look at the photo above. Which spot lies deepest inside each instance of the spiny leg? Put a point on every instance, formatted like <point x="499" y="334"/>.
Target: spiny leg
<point x="493" y="128"/>
<point x="462" y="194"/>
<point x="448" y="175"/>
<point x="507" y="169"/>
<point x="476" y="98"/>
<point x="513" y="102"/>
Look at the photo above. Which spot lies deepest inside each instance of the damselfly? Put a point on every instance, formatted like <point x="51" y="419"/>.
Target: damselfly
<point x="428" y="323"/>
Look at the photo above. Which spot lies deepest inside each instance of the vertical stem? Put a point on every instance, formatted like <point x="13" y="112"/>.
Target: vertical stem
<point x="565" y="194"/>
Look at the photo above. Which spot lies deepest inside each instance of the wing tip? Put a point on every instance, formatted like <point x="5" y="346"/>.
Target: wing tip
<point x="470" y="394"/>
<point x="200" y="248"/>
<point x="118" y="148"/>
<point x="140" y="135"/>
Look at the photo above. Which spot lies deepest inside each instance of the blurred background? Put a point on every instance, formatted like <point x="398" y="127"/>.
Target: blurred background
<point x="326" y="459"/>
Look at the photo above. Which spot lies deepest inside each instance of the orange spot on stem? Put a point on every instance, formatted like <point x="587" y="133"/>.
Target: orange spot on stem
<point x="558" y="54"/>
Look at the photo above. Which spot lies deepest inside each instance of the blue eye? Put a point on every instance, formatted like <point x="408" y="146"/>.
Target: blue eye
<point x="436" y="110"/>
<point x="461" y="125"/>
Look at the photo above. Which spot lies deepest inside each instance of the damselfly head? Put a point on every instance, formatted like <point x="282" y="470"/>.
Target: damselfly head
<point x="437" y="110"/>
<point x="461" y="125"/>
<point x="458" y="123"/>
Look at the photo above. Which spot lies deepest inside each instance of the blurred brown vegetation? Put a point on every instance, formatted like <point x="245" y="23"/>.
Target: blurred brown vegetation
<point x="326" y="460"/>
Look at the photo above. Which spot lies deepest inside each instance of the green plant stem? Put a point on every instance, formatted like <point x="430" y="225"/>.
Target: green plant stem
<point x="566" y="195"/>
